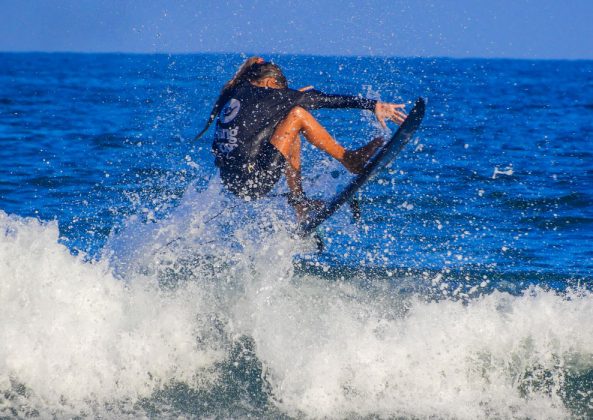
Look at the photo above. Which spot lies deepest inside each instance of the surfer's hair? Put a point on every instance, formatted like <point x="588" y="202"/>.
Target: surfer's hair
<point x="252" y="70"/>
<point x="240" y="74"/>
<point x="259" y="71"/>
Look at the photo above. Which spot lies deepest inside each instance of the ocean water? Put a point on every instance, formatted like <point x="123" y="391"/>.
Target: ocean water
<point x="132" y="285"/>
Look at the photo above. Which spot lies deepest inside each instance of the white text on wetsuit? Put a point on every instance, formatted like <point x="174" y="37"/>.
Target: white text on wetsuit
<point x="226" y="139"/>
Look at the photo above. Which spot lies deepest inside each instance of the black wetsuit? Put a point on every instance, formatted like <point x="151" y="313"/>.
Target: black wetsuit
<point x="249" y="164"/>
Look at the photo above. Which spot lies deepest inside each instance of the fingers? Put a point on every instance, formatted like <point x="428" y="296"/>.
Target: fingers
<point x="395" y="107"/>
<point x="306" y="88"/>
<point x="398" y="117"/>
<point x="392" y="112"/>
<point x="395" y="116"/>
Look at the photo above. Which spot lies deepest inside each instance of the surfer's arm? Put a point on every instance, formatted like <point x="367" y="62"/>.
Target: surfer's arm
<point x="313" y="99"/>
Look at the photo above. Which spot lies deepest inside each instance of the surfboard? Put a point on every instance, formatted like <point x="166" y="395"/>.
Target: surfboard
<point x="379" y="161"/>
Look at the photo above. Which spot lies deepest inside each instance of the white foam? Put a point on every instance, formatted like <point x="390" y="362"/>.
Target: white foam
<point x="72" y="332"/>
<point x="333" y="350"/>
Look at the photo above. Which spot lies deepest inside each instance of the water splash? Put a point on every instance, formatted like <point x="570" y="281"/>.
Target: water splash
<point x="196" y="314"/>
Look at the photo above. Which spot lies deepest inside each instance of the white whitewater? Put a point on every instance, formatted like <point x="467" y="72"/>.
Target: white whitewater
<point x="167" y="298"/>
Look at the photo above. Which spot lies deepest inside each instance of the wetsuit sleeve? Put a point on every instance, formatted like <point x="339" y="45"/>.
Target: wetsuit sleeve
<point x="313" y="99"/>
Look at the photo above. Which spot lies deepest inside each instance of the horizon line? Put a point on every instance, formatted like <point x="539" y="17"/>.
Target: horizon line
<point x="448" y="57"/>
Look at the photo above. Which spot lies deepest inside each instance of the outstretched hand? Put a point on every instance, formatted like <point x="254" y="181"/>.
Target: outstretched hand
<point x="384" y="110"/>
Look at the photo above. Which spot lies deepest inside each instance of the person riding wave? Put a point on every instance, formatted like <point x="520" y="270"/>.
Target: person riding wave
<point x="258" y="126"/>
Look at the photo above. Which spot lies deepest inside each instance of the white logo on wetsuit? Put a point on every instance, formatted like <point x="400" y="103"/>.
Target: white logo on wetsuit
<point x="230" y="111"/>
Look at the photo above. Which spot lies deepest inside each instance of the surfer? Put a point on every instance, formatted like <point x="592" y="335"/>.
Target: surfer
<point x="258" y="127"/>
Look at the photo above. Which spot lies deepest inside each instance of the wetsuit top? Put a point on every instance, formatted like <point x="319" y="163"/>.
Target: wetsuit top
<point x="247" y="121"/>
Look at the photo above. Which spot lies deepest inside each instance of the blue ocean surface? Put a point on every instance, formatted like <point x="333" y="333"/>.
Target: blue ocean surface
<point x="132" y="283"/>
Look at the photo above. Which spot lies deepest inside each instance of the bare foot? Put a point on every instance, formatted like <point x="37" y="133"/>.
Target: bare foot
<point x="355" y="160"/>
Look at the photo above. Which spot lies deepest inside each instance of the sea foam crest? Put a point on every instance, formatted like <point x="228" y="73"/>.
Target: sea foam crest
<point x="334" y="351"/>
<point x="71" y="332"/>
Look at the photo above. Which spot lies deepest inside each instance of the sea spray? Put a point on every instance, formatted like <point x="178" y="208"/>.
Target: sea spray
<point x="330" y="350"/>
<point x="74" y="336"/>
<point x="224" y="324"/>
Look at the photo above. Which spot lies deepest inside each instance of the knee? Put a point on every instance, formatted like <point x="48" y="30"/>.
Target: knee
<point x="299" y="113"/>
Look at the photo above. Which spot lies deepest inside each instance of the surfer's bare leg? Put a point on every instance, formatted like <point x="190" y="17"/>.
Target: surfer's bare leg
<point x="300" y="120"/>
<point x="292" y="170"/>
<point x="293" y="166"/>
<point x="287" y="140"/>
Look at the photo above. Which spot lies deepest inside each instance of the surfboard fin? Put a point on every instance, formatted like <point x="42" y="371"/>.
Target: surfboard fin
<point x="354" y="204"/>
<point x="318" y="241"/>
